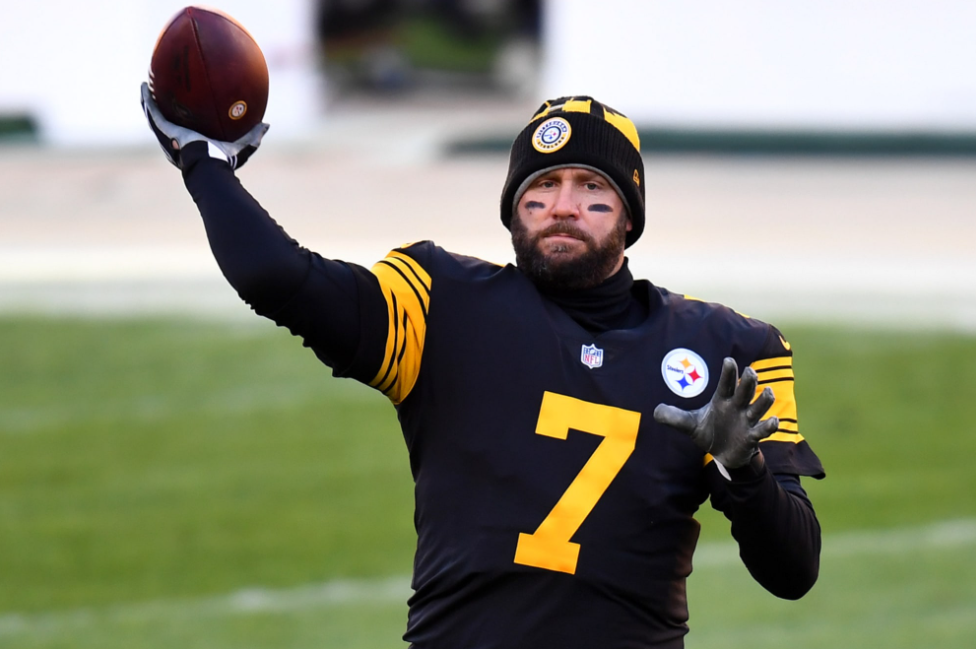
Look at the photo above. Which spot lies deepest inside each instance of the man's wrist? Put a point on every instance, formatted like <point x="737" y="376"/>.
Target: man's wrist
<point x="755" y="468"/>
<point x="752" y="470"/>
<point x="194" y="152"/>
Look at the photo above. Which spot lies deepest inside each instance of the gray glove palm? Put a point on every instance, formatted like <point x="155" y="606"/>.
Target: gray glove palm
<point x="174" y="138"/>
<point x="729" y="426"/>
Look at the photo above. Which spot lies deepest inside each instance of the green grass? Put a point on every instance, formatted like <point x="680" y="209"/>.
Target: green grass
<point x="155" y="460"/>
<point x="150" y="469"/>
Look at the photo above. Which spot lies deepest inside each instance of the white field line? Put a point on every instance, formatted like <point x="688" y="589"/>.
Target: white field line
<point x="945" y="535"/>
<point x="157" y="408"/>
<point x="242" y="602"/>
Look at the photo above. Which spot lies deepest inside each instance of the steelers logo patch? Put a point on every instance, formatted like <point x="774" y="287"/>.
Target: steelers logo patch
<point x="685" y="373"/>
<point x="237" y="110"/>
<point x="552" y="135"/>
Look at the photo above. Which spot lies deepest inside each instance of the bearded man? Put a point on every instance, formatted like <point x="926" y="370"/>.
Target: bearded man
<point x="564" y="421"/>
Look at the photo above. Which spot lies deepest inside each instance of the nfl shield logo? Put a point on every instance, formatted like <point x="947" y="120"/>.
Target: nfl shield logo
<point x="591" y="356"/>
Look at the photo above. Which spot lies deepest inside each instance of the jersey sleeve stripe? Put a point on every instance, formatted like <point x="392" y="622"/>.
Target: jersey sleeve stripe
<point x="777" y="363"/>
<point x="779" y="380"/>
<point x="388" y="391"/>
<point x="777" y="375"/>
<point x="421" y="300"/>
<point x="392" y="339"/>
<point x="406" y="287"/>
<point x="773" y="369"/>
<point x="782" y="436"/>
<point x="769" y="375"/>
<point x="787" y="427"/>
<point x="415" y="268"/>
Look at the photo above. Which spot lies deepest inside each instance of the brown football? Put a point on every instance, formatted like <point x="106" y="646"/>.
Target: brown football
<point x="209" y="75"/>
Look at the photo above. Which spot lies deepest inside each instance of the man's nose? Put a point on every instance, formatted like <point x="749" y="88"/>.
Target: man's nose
<point x="567" y="205"/>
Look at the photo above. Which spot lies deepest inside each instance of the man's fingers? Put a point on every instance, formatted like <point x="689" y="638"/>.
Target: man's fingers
<point x="675" y="417"/>
<point x="726" y="382"/>
<point x="254" y="136"/>
<point x="245" y="146"/>
<point x="151" y="109"/>
<point x="157" y="122"/>
<point x="760" y="406"/>
<point x="746" y="390"/>
<point x="764" y="429"/>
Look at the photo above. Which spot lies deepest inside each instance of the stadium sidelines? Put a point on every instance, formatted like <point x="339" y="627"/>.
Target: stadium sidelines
<point x="876" y="241"/>
<point x="944" y="535"/>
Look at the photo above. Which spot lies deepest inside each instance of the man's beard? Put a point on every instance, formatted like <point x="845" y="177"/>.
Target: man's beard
<point x="558" y="272"/>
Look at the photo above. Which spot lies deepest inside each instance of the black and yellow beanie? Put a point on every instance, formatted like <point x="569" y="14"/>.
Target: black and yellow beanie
<point x="578" y="132"/>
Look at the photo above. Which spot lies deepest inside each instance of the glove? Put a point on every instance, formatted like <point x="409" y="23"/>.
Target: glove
<point x="173" y="138"/>
<point x="729" y="426"/>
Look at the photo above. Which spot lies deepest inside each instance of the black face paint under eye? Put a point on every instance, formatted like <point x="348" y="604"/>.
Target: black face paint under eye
<point x="600" y="207"/>
<point x="534" y="205"/>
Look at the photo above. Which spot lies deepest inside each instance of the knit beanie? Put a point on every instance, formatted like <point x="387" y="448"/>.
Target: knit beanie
<point x="578" y="132"/>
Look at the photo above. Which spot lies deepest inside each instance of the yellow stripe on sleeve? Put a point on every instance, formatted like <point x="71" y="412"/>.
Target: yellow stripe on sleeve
<point x="774" y="374"/>
<point x="418" y="272"/>
<point x="777" y="375"/>
<point x="780" y="436"/>
<point x="787" y="426"/>
<point x="770" y="363"/>
<point x="386" y="372"/>
<point x="406" y="287"/>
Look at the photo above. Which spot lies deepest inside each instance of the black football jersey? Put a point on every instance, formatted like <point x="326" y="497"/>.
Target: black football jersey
<point x="551" y="509"/>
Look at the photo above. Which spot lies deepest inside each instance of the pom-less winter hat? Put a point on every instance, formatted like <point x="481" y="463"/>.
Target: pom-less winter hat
<point x="578" y="132"/>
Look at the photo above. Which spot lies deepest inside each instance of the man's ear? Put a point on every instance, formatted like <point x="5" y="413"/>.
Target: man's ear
<point x="630" y="224"/>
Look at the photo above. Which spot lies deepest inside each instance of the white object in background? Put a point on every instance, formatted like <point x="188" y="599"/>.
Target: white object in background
<point x="832" y="64"/>
<point x="76" y="66"/>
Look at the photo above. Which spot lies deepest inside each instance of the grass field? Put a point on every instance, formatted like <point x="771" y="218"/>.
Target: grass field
<point x="190" y="484"/>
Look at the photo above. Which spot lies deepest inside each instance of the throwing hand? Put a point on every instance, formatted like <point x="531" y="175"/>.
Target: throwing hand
<point x="173" y="138"/>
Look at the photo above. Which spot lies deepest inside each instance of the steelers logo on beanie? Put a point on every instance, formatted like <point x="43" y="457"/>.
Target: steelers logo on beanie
<point x="579" y="131"/>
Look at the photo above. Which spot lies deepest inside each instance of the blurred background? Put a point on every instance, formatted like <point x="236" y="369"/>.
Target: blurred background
<point x="177" y="472"/>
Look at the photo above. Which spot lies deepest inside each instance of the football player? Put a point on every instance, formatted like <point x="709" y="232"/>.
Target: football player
<point x="564" y="421"/>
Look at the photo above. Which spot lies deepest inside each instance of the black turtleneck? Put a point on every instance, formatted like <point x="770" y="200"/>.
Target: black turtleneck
<point x="612" y="304"/>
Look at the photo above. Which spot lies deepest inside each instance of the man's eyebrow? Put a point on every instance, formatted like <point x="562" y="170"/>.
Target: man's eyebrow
<point x="586" y="175"/>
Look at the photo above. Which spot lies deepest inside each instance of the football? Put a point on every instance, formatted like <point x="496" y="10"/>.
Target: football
<point x="208" y="74"/>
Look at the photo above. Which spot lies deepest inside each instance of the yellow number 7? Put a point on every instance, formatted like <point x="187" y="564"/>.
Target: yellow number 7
<point x="550" y="546"/>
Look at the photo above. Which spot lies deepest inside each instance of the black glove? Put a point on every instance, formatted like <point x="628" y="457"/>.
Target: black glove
<point x="729" y="426"/>
<point x="173" y="138"/>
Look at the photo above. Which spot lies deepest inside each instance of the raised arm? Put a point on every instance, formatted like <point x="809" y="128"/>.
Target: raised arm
<point x="328" y="303"/>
